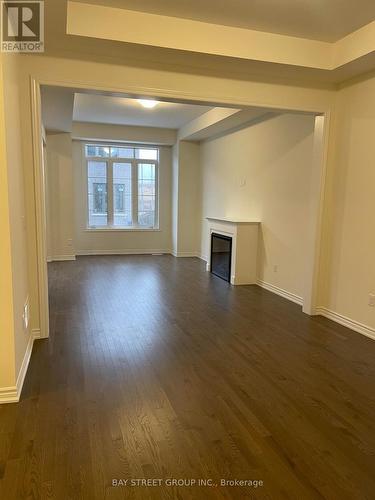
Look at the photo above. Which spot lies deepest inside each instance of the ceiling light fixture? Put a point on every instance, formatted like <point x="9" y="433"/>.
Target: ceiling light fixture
<point x="148" y="103"/>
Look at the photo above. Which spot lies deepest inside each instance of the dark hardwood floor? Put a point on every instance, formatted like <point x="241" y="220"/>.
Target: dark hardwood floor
<point x="156" y="369"/>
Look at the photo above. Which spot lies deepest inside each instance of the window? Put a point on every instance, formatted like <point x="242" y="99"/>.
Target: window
<point x="122" y="186"/>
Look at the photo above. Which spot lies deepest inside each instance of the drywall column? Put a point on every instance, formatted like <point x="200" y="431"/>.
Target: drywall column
<point x="16" y="340"/>
<point x="186" y="200"/>
<point x="175" y="167"/>
<point x="313" y="245"/>
<point x="347" y="274"/>
<point x="7" y="354"/>
<point x="61" y="196"/>
<point x="47" y="201"/>
<point x="13" y="113"/>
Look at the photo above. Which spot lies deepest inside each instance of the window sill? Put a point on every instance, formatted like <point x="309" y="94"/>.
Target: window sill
<point x="121" y="229"/>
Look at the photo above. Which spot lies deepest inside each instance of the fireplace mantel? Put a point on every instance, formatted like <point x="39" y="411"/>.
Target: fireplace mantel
<point x="244" y="234"/>
<point x="232" y="220"/>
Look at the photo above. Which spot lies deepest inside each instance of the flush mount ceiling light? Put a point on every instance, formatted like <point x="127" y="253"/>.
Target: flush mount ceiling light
<point x="148" y="103"/>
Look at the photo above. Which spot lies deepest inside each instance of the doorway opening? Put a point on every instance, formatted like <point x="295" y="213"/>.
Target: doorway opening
<point x="129" y="195"/>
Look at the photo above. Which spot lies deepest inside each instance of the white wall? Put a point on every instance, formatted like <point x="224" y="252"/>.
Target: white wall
<point x="348" y="268"/>
<point x="18" y="217"/>
<point x="262" y="173"/>
<point x="135" y="241"/>
<point x="186" y="199"/>
<point x="7" y="354"/>
<point x="60" y="197"/>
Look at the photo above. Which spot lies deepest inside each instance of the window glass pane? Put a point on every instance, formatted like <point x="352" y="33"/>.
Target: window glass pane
<point x="122" y="194"/>
<point x="146" y="195"/>
<point x="146" y="154"/>
<point x="122" y="152"/>
<point x="97" y="193"/>
<point x="99" y="151"/>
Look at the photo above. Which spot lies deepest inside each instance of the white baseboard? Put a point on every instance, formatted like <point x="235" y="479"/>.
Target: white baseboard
<point x="185" y="254"/>
<point x="354" y="325"/>
<point x="143" y="251"/>
<point x="35" y="332"/>
<point x="9" y="395"/>
<point x="345" y="321"/>
<point x="60" y="258"/>
<point x="12" y="394"/>
<point x="280" y="291"/>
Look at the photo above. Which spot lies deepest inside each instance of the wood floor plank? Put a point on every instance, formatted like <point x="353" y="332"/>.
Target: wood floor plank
<point x="155" y="369"/>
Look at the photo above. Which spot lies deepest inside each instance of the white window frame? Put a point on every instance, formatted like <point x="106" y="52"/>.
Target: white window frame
<point x="109" y="167"/>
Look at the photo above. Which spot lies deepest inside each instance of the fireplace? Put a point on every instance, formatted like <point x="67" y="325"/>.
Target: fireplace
<point x="221" y="256"/>
<point x="235" y="251"/>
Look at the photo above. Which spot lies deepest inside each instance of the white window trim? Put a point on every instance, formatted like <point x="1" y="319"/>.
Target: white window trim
<point x="134" y="162"/>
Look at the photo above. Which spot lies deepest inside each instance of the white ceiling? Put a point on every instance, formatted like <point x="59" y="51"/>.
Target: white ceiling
<point x="327" y="20"/>
<point x="123" y="111"/>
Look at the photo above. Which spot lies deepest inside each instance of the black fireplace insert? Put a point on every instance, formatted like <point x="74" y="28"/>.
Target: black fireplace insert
<point x="221" y="255"/>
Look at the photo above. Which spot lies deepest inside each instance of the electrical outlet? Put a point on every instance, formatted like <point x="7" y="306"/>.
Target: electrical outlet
<point x="371" y="300"/>
<point x="25" y="315"/>
<point x="243" y="182"/>
<point x="70" y="242"/>
<point x="275" y="268"/>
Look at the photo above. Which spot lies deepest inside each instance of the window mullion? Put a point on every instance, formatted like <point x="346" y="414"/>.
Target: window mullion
<point x="156" y="214"/>
<point x="110" y="193"/>
<point x="134" y="193"/>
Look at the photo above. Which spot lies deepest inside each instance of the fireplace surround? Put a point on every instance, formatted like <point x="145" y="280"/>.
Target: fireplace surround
<point x="244" y="248"/>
